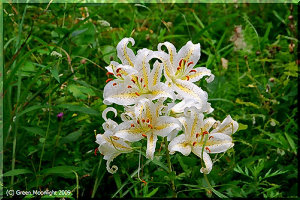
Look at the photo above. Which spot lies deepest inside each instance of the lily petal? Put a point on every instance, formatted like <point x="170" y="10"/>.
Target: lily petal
<point x="104" y="113"/>
<point x="125" y="54"/>
<point x="142" y="64"/>
<point x="190" y="53"/>
<point x="113" y="169"/>
<point x="151" y="144"/>
<point x="199" y="73"/>
<point x="109" y="125"/>
<point x="165" y="125"/>
<point x="228" y="126"/>
<point x="218" y="143"/>
<point x="189" y="90"/>
<point x="208" y="123"/>
<point x="160" y="90"/>
<point x="169" y="69"/>
<point x="180" y="144"/>
<point x="119" y="94"/>
<point x="156" y="73"/>
<point x="171" y="50"/>
<point x="206" y="158"/>
<point x="125" y="131"/>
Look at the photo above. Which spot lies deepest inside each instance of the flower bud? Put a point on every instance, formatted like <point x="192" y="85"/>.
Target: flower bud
<point x="60" y="116"/>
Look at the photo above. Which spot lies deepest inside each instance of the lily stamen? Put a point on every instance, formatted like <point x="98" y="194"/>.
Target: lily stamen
<point x="110" y="79"/>
<point x="95" y="152"/>
<point x="150" y="126"/>
<point x="147" y="120"/>
<point x="137" y="94"/>
<point x="129" y="86"/>
<point x="189" y="63"/>
<point x="188" y="78"/>
<point x="193" y="71"/>
<point x="210" y="137"/>
<point x="144" y="135"/>
<point x="132" y="125"/>
<point x="114" y="84"/>
<point x="206" y="148"/>
<point x="109" y="73"/>
<point x="194" y="143"/>
<point x="118" y="70"/>
<point x="205" y="132"/>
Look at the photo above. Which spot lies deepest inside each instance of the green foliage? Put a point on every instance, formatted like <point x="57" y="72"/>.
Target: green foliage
<point x="54" y="62"/>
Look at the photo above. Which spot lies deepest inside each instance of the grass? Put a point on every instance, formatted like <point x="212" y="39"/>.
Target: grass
<point x="257" y="87"/>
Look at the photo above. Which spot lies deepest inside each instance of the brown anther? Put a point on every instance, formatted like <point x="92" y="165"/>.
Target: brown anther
<point x="190" y="63"/>
<point x="150" y="126"/>
<point x="178" y="68"/>
<point x="206" y="148"/>
<point x="144" y="135"/>
<point x="141" y="79"/>
<point x="129" y="86"/>
<point x="110" y="79"/>
<point x="147" y="120"/>
<point x="144" y="85"/>
<point x="109" y="73"/>
<point x="180" y="62"/>
<point x="138" y="121"/>
<point x="114" y="84"/>
<point x="118" y="70"/>
<point x="143" y="120"/>
<point x="132" y="125"/>
<point x="205" y="132"/>
<point x="197" y="135"/>
<point x="210" y="137"/>
<point x="119" y="75"/>
<point x="137" y="94"/>
<point x="187" y="78"/>
<point x="133" y="80"/>
<point x="194" y="143"/>
<point x="95" y="152"/>
<point x="193" y="70"/>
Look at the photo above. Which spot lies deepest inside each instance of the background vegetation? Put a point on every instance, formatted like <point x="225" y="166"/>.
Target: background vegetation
<point x="257" y="87"/>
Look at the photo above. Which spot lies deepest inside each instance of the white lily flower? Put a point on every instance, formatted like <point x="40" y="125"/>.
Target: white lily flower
<point x="145" y="84"/>
<point x="147" y="123"/>
<point x="120" y="72"/>
<point x="197" y="136"/>
<point x="188" y="103"/>
<point x="109" y="145"/>
<point x="180" y="72"/>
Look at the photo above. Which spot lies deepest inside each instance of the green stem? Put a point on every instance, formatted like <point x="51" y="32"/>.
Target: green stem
<point x="56" y="142"/>
<point x="48" y="127"/>
<point x="98" y="180"/>
<point x="170" y="167"/>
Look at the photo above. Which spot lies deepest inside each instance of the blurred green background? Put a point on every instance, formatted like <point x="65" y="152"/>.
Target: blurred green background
<point x="54" y="62"/>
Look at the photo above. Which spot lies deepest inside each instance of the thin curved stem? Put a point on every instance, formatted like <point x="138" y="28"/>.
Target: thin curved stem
<point x="170" y="166"/>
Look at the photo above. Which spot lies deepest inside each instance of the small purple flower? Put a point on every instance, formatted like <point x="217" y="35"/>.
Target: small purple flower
<point x="60" y="116"/>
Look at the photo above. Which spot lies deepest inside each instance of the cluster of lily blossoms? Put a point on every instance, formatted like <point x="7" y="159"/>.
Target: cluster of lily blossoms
<point x="139" y="88"/>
